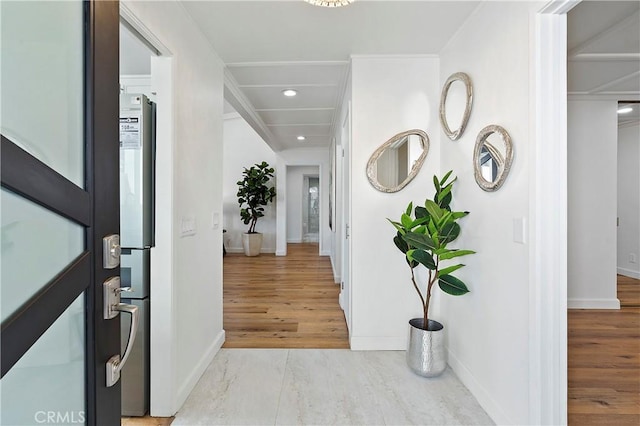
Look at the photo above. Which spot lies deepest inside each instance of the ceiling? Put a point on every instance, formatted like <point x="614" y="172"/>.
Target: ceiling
<point x="269" y="46"/>
<point x="604" y="49"/>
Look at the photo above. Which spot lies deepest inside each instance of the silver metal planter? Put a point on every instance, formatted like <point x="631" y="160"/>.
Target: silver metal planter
<point x="426" y="353"/>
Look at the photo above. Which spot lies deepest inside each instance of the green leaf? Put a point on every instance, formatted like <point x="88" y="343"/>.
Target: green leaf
<point x="449" y="232"/>
<point x="420" y="241"/>
<point x="458" y="215"/>
<point x="433" y="231"/>
<point x="421" y="212"/>
<point x="423" y="257"/>
<point x="445" y="191"/>
<point x="436" y="184"/>
<point x="453" y="286"/>
<point x="406" y="221"/>
<point x="455" y="253"/>
<point x="419" y="221"/>
<point x="433" y="209"/>
<point x="444" y="179"/>
<point x="444" y="204"/>
<point x="400" y="243"/>
<point x="409" y="208"/>
<point x="397" y="225"/>
<point x="420" y="230"/>
<point x="440" y="251"/>
<point x="446" y="218"/>
<point x="449" y="269"/>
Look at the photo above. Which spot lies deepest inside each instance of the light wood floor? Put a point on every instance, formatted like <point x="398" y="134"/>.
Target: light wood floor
<point x="282" y="301"/>
<point x="604" y="362"/>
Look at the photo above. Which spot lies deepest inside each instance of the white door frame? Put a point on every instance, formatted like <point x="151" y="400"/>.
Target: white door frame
<point x="548" y="212"/>
<point x="163" y="349"/>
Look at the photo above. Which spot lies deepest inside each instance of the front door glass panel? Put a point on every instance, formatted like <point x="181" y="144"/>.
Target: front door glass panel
<point x="36" y="245"/>
<point x="42" y="47"/>
<point x="45" y="385"/>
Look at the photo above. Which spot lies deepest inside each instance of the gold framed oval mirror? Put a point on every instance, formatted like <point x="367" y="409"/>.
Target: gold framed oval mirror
<point x="397" y="161"/>
<point x="458" y="90"/>
<point x="492" y="157"/>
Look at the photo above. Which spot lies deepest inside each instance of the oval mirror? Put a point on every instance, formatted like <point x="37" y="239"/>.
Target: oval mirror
<point x="397" y="161"/>
<point x="492" y="157"/>
<point x="455" y="104"/>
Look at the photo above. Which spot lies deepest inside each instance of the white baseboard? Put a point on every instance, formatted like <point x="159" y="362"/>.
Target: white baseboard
<point x="198" y="371"/>
<point x="281" y="253"/>
<point x="294" y="241"/>
<point x="336" y="274"/>
<point x="593" y="304"/>
<point x="629" y="273"/>
<point x="377" y="343"/>
<point x="266" y="250"/>
<point x="325" y="253"/>
<point x="478" y="391"/>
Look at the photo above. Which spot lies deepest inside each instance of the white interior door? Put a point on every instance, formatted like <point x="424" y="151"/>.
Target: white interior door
<point x="345" y="292"/>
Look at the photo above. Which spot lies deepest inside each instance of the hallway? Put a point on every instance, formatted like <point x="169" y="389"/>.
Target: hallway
<point x="604" y="361"/>
<point x="282" y="302"/>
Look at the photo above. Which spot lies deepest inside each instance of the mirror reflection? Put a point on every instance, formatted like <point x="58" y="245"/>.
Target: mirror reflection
<point x="493" y="155"/>
<point x="397" y="161"/>
<point x="490" y="161"/>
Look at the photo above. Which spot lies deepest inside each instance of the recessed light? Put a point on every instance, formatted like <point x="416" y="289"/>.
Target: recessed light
<point x="625" y="110"/>
<point x="301" y="138"/>
<point x="289" y="92"/>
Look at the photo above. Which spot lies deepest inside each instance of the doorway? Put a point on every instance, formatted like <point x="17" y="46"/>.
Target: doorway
<point x="303" y="204"/>
<point x="147" y="68"/>
<point x="311" y="209"/>
<point x="603" y="159"/>
<point x="628" y="212"/>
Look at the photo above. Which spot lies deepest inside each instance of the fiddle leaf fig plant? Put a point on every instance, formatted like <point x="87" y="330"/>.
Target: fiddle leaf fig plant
<point x="423" y="235"/>
<point x="254" y="193"/>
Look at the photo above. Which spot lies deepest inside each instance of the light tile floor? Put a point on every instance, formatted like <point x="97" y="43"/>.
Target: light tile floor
<point x="321" y="387"/>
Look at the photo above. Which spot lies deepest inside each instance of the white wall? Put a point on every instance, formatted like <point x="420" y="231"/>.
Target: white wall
<point x="487" y="329"/>
<point x="389" y="95"/>
<point x="243" y="147"/>
<point x="302" y="157"/>
<point x="137" y="84"/>
<point x="629" y="200"/>
<point x="592" y="131"/>
<point x="295" y="199"/>
<point x="192" y="292"/>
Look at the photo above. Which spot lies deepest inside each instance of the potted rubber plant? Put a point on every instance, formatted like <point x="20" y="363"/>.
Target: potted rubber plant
<point x="254" y="194"/>
<point x="423" y="236"/>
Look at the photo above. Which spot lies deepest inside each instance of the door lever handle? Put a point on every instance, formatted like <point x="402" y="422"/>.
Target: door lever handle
<point x="115" y="363"/>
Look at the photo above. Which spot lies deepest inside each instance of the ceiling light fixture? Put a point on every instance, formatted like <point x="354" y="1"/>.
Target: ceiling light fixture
<point x="625" y="110"/>
<point x="289" y="93"/>
<point x="301" y="138"/>
<point x="329" y="3"/>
